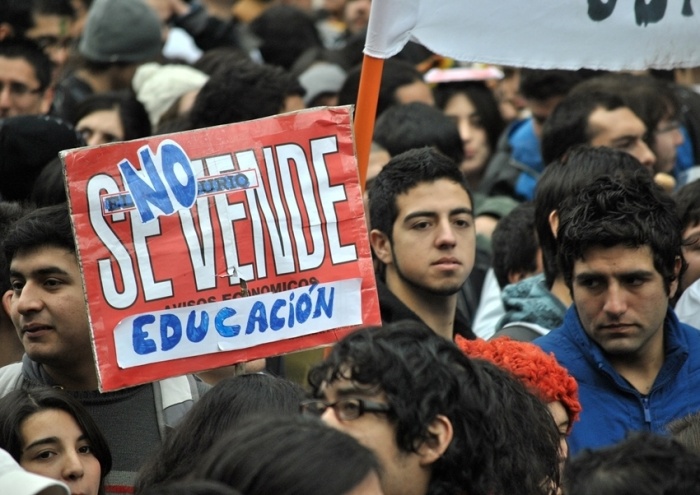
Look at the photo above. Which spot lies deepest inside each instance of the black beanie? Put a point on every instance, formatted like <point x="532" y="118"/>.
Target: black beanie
<point x="27" y="144"/>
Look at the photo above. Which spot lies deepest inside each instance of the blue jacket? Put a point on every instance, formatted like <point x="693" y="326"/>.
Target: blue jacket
<point x="611" y="406"/>
<point x="526" y="150"/>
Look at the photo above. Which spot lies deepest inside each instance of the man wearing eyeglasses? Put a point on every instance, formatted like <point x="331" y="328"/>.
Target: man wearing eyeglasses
<point x="25" y="79"/>
<point x="52" y="30"/>
<point x="436" y="420"/>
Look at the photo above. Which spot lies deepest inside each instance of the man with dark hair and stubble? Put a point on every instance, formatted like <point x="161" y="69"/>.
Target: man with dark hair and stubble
<point x="619" y="251"/>
<point x="423" y="237"/>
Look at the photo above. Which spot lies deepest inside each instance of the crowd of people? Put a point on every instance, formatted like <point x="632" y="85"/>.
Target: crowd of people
<point x="535" y="237"/>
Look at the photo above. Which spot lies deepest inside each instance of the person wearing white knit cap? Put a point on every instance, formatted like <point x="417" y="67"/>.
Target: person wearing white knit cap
<point x="16" y="481"/>
<point x="159" y="87"/>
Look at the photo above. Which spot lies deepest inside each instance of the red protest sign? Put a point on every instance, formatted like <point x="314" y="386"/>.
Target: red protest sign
<point x="170" y="228"/>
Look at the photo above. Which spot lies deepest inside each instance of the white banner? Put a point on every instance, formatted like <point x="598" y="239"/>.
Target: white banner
<point x="563" y="34"/>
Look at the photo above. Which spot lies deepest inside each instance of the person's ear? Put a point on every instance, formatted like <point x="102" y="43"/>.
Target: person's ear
<point x="381" y="245"/>
<point x="554" y="222"/>
<point x="441" y="434"/>
<point x="6" y="297"/>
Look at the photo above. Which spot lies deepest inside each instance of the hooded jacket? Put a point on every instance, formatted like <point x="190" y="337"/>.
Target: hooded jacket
<point x="611" y="406"/>
<point x="530" y="301"/>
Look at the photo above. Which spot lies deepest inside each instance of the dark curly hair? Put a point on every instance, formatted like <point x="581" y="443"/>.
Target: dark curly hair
<point x="504" y="438"/>
<point x="631" y="211"/>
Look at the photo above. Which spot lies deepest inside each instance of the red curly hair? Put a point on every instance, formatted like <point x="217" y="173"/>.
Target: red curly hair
<point x="539" y="371"/>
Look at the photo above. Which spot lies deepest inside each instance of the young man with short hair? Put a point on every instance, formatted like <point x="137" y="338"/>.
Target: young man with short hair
<point x="596" y="118"/>
<point x="619" y="249"/>
<point x="25" y="79"/>
<point x="47" y="306"/>
<point x="423" y="236"/>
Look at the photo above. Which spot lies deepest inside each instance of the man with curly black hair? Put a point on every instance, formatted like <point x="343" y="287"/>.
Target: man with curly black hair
<point x="619" y="250"/>
<point x="438" y="422"/>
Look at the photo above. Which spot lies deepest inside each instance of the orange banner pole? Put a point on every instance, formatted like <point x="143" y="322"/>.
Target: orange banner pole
<point x="366" y="110"/>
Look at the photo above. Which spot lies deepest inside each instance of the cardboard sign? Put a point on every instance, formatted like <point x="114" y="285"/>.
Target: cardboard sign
<point x="173" y="230"/>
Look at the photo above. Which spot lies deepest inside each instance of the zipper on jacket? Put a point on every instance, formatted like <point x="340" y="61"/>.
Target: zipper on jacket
<point x="647" y="412"/>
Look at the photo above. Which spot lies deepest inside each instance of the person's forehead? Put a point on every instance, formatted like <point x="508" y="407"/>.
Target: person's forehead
<point x="615" y="258"/>
<point x="49" y="25"/>
<point x="441" y="194"/>
<point x="345" y="386"/>
<point x="17" y="69"/>
<point x="29" y="260"/>
<point x="615" y="122"/>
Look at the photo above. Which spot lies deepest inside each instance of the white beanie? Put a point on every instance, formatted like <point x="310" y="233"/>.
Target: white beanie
<point x="320" y="78"/>
<point x="16" y="481"/>
<point x="159" y="86"/>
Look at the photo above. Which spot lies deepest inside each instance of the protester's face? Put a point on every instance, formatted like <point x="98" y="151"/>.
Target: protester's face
<point x="356" y="14"/>
<point x="691" y="253"/>
<point x="433" y="246"/>
<point x="561" y="419"/>
<point x="47" y="306"/>
<point x="667" y="137"/>
<point x="101" y="127"/>
<point x="623" y="130"/>
<point x="621" y="301"/>
<point x="20" y="92"/>
<point x="53" y="33"/>
<point x="415" y="91"/>
<point x="401" y="471"/>
<point x="53" y="445"/>
<point x="475" y="141"/>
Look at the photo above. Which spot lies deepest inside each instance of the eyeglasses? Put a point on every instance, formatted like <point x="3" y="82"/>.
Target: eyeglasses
<point x="346" y="409"/>
<point x="54" y="42"/>
<point x="18" y="89"/>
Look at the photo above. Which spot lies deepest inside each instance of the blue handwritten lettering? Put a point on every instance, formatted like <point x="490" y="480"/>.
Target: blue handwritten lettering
<point x="303" y="308"/>
<point x="277" y="323"/>
<point x="311" y="304"/>
<point x="223" y="329"/>
<point x="168" y="340"/>
<point x="197" y="333"/>
<point x="139" y="337"/>
<point x="290" y="321"/>
<point x="257" y="317"/>
<point x="322" y="304"/>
